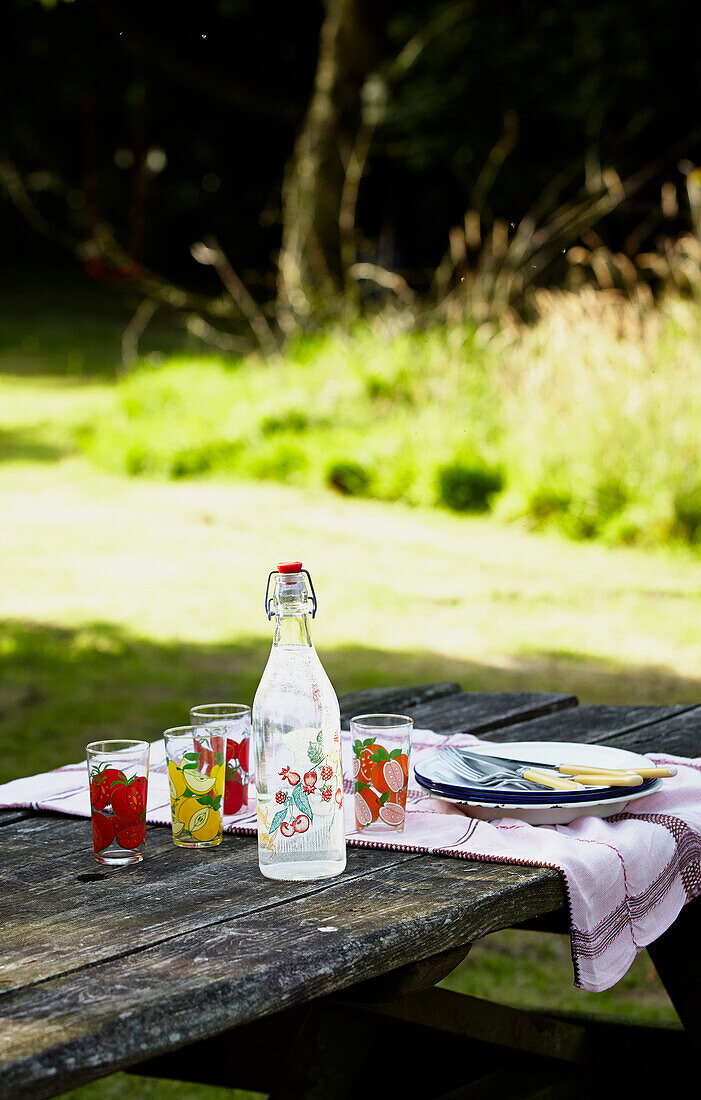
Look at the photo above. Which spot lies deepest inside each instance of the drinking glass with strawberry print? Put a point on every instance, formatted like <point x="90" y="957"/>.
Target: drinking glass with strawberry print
<point x="235" y="719"/>
<point x="381" y="749"/>
<point x="118" y="784"/>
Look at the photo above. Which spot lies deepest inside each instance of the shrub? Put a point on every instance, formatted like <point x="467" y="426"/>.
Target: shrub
<point x="589" y="417"/>
<point x="687" y="512"/>
<point x="349" y="478"/>
<point x="395" y="391"/>
<point x="202" y="458"/>
<point x="468" y="486"/>
<point x="292" y="421"/>
<point x="280" y="463"/>
<point x="379" y="388"/>
<point x="545" y="502"/>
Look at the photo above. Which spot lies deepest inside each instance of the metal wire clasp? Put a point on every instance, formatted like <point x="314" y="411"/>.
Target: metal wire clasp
<point x="269" y="599"/>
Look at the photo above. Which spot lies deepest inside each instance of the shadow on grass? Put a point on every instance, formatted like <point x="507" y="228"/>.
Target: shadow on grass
<point x="24" y="446"/>
<point x="60" y="688"/>
<point x="72" y="327"/>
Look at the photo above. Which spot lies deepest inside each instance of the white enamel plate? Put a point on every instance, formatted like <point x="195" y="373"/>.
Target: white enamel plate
<point x="553" y="753"/>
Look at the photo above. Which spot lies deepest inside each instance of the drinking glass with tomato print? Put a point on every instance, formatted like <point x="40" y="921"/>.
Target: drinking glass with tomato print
<point x="118" y="779"/>
<point x="196" y="769"/>
<point x="236" y="719"/>
<point x="381" y="749"/>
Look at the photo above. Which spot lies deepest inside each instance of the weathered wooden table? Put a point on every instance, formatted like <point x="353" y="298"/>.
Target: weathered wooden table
<point x="195" y="967"/>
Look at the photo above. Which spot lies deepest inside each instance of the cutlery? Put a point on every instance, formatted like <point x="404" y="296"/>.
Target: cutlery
<point x="579" y="770"/>
<point x="489" y="774"/>
<point x="498" y="770"/>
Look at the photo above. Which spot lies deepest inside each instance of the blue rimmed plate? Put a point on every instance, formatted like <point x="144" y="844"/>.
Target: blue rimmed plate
<point x="546" y="807"/>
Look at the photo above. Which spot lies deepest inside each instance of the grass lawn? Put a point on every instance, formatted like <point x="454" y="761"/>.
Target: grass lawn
<point x="125" y="601"/>
<point x="126" y="1086"/>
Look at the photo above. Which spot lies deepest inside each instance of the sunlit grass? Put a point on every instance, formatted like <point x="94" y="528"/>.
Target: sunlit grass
<point x="133" y="1087"/>
<point x="127" y="1086"/>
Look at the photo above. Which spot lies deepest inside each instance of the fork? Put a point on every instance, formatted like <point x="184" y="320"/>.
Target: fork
<point x="489" y="777"/>
<point x="493" y="776"/>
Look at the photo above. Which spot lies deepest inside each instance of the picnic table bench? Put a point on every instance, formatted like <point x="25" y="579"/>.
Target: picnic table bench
<point x="194" y="967"/>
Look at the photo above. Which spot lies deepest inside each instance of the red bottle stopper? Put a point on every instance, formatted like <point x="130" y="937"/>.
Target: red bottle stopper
<point x="289" y="567"/>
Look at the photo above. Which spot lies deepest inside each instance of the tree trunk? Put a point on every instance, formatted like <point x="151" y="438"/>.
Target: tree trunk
<point x="310" y="267"/>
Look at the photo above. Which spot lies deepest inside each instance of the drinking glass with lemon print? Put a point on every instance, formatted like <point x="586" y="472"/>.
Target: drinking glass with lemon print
<point x="196" y="772"/>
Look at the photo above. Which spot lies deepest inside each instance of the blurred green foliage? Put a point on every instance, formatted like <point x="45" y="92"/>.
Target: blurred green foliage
<point x="349" y="478"/>
<point x="468" y="486"/>
<point x="586" y="421"/>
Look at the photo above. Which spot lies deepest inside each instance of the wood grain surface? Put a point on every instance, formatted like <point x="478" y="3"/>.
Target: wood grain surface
<point x="479" y="712"/>
<point x="597" y="724"/>
<point x="101" y="1016"/>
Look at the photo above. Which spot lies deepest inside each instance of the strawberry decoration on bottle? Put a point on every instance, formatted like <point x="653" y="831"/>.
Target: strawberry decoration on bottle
<point x="298" y="812"/>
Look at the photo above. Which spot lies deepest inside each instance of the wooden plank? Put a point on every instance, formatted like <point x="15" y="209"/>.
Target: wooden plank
<point x="332" y="1049"/>
<point x="677" y="961"/>
<point x="593" y="724"/>
<point x="479" y="712"/>
<point x="679" y="735"/>
<point x="475" y="1018"/>
<point x="522" y="1082"/>
<point x="40" y="838"/>
<point x="577" y="1039"/>
<point x="326" y="1050"/>
<point x="67" y="1030"/>
<point x="539" y="1081"/>
<point x="9" y="817"/>
<point x="61" y="910"/>
<point x="406" y="979"/>
<point x="388" y="700"/>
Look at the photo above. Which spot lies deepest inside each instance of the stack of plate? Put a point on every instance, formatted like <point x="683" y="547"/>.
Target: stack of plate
<point x="538" y="807"/>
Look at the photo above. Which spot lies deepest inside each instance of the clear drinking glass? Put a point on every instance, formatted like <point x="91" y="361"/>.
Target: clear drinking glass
<point x="236" y="720"/>
<point x="381" y="749"/>
<point x="196" y="769"/>
<point x="118" y="778"/>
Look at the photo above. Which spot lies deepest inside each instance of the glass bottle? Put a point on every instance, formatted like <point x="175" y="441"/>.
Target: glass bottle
<point x="297" y="743"/>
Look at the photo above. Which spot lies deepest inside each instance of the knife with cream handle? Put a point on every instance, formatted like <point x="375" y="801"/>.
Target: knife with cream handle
<point x="601" y="779"/>
<point x="550" y="779"/>
<point x="645" y="773"/>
